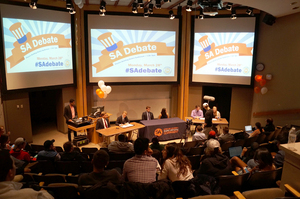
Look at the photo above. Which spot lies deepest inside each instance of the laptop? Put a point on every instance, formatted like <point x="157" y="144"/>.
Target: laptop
<point x="235" y="151"/>
<point x="248" y="129"/>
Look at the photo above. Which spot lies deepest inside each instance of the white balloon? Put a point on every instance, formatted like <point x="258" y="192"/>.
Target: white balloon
<point x="105" y="95"/>
<point x="80" y="5"/>
<point x="77" y="2"/>
<point x="108" y="89"/>
<point x="100" y="83"/>
<point x="264" y="90"/>
<point x="103" y="88"/>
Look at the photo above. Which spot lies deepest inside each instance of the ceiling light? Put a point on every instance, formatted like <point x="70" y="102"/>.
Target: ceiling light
<point x="134" y="8"/>
<point x="72" y="10"/>
<point x="146" y="13"/>
<point x="249" y="11"/>
<point x="189" y="6"/>
<point x="233" y="14"/>
<point x="33" y="4"/>
<point x="69" y="4"/>
<point x="158" y="4"/>
<point x="102" y="6"/>
<point x="102" y="14"/>
<point x="229" y="6"/>
<point x="171" y="14"/>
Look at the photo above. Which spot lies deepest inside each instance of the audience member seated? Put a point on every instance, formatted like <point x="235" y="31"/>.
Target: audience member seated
<point x="121" y="146"/>
<point x="49" y="153"/>
<point x="247" y="155"/>
<point x="70" y="155"/>
<point x="199" y="135"/>
<point x="214" y="162"/>
<point x="2" y="131"/>
<point x="176" y="166"/>
<point x="163" y="114"/>
<point x="279" y="157"/>
<point x="10" y="189"/>
<point x="4" y="142"/>
<point x="258" y="130"/>
<point x="269" y="126"/>
<point x="262" y="157"/>
<point x="99" y="175"/>
<point x="226" y="136"/>
<point x="142" y="167"/>
<point x="155" y="145"/>
<point x="18" y="152"/>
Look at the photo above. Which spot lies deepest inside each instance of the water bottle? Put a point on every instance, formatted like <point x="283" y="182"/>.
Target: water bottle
<point x="292" y="139"/>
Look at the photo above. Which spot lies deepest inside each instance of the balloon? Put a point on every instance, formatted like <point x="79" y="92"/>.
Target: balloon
<point x="103" y="88"/>
<point x="258" y="78"/>
<point x="101" y="94"/>
<point x="262" y="82"/>
<point x="77" y="2"/>
<point x="98" y="90"/>
<point x="257" y="89"/>
<point x="100" y="83"/>
<point x="80" y="5"/>
<point x="105" y="95"/>
<point x="264" y="90"/>
<point x="108" y="89"/>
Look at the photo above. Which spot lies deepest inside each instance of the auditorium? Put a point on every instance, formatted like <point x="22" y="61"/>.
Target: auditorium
<point x="77" y="76"/>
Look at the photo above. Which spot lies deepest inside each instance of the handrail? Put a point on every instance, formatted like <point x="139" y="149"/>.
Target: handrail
<point x="278" y="112"/>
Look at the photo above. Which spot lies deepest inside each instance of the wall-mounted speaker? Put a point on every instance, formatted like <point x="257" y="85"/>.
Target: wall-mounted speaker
<point x="269" y="19"/>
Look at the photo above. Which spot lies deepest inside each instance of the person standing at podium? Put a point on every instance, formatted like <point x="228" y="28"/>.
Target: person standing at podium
<point x="147" y="115"/>
<point x="70" y="112"/>
<point x="103" y="122"/>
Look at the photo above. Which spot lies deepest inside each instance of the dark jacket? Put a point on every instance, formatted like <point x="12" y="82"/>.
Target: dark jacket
<point x="120" y="121"/>
<point x="100" y="124"/>
<point x="68" y="113"/>
<point x="216" y="165"/>
<point x="144" y="115"/>
<point x="73" y="156"/>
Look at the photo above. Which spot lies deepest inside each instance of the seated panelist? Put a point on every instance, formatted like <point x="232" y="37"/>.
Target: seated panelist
<point x="123" y="119"/>
<point x="103" y="122"/>
<point x="147" y="115"/>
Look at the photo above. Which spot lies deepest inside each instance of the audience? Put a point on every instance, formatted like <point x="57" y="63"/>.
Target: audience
<point x="176" y="166"/>
<point x="199" y="135"/>
<point x="226" y="136"/>
<point x="262" y="157"/>
<point x="163" y="114"/>
<point x="269" y="126"/>
<point x="121" y="146"/>
<point x="279" y="157"/>
<point x="155" y="145"/>
<point x="4" y="142"/>
<point x="10" y="189"/>
<point x="99" y="175"/>
<point x="258" y="130"/>
<point x="18" y="152"/>
<point x="248" y="154"/>
<point x="214" y="162"/>
<point x="142" y="167"/>
<point x="49" y="153"/>
<point x="69" y="154"/>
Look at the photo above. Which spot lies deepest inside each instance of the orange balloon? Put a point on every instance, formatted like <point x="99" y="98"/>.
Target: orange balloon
<point x="257" y="89"/>
<point x="258" y="78"/>
<point x="100" y="94"/>
<point x="98" y="90"/>
<point x="263" y="82"/>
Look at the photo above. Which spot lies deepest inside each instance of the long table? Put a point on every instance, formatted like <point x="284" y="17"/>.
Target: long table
<point x="165" y="129"/>
<point x="221" y="121"/>
<point x="116" y="130"/>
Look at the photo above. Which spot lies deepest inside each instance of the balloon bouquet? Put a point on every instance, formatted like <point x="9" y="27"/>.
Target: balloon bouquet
<point x="103" y="90"/>
<point x="262" y="82"/>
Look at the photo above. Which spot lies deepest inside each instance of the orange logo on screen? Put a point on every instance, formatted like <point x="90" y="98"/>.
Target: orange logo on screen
<point x="26" y="43"/>
<point x="158" y="132"/>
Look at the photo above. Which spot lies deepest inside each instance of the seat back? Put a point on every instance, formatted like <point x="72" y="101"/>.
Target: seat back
<point x="36" y="147"/>
<point x="46" y="166"/>
<point x="231" y="183"/>
<point x="88" y="150"/>
<point x="77" y="149"/>
<point x="86" y="167"/>
<point x="195" y="151"/>
<point x="116" y="164"/>
<point x="49" y="178"/>
<point x="277" y="131"/>
<point x="261" y="138"/>
<point x="227" y="145"/>
<point x="120" y="156"/>
<point x="190" y="144"/>
<point x="270" y="136"/>
<point x="249" y="141"/>
<point x="67" y="167"/>
<point x="59" y="149"/>
<point x="239" y="142"/>
<point x="195" y="161"/>
<point x="263" y="179"/>
<point x="63" y="191"/>
<point x="105" y="149"/>
<point x="72" y="179"/>
<point x="269" y="193"/>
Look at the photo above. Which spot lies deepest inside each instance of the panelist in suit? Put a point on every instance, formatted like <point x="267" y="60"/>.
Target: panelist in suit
<point x="70" y="112"/>
<point x="103" y="122"/>
<point x="147" y="115"/>
<point x="123" y="119"/>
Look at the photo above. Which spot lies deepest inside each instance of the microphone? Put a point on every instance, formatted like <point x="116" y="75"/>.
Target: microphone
<point x="209" y="98"/>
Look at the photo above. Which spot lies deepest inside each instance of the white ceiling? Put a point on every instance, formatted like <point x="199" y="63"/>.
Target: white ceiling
<point x="277" y="8"/>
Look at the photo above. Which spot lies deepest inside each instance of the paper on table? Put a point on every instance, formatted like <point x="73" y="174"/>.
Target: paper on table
<point x="126" y="125"/>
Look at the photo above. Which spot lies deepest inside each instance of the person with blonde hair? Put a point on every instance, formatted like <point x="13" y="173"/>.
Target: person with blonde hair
<point x="216" y="113"/>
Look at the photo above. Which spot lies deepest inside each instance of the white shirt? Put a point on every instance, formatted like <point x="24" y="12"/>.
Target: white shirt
<point x="199" y="136"/>
<point x="12" y="190"/>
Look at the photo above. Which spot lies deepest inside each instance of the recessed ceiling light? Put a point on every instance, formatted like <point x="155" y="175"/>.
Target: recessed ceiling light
<point x="294" y="8"/>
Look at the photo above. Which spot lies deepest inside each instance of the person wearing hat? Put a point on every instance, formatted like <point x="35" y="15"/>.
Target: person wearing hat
<point x="214" y="162"/>
<point x="49" y="153"/>
<point x="18" y="152"/>
<point x="209" y="115"/>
